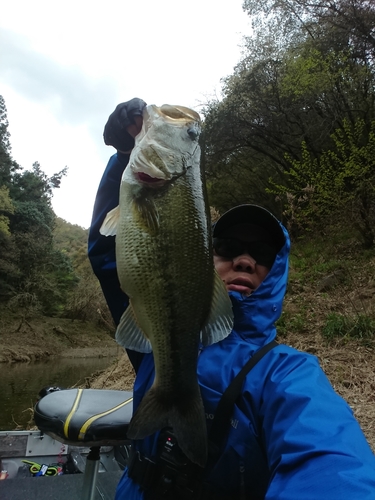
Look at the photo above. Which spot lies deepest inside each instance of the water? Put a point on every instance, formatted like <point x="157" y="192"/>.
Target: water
<point x="21" y="383"/>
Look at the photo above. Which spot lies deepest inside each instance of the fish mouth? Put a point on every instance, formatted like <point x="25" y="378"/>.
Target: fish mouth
<point x="173" y="114"/>
<point x="144" y="178"/>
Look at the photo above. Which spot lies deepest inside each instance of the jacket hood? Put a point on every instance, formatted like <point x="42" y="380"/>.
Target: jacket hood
<point x="255" y="315"/>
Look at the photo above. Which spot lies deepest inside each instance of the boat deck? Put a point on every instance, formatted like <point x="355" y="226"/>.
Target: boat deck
<point x="67" y="487"/>
<point x="16" y="447"/>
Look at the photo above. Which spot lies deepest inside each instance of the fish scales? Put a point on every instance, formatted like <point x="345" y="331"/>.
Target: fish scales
<point x="171" y="289"/>
<point x="165" y="266"/>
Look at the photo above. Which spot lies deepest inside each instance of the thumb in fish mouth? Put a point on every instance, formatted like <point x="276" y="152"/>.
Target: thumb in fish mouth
<point x="134" y="128"/>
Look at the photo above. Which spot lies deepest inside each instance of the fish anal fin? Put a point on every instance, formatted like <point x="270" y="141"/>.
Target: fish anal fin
<point x="219" y="323"/>
<point x="129" y="335"/>
<point x="186" y="419"/>
<point x="150" y="416"/>
<point x="110" y="223"/>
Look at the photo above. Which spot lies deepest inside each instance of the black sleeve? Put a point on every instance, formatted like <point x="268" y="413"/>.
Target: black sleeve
<point x="101" y="249"/>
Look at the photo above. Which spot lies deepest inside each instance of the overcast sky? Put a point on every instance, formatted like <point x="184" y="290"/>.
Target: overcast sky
<point x="64" y="66"/>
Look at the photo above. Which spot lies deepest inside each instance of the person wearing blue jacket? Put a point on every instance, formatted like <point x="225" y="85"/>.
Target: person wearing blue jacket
<point x="290" y="435"/>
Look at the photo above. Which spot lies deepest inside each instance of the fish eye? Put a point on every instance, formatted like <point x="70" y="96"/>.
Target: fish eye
<point x="192" y="133"/>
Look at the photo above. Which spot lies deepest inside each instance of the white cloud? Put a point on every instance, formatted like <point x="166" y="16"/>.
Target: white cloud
<point x="65" y="66"/>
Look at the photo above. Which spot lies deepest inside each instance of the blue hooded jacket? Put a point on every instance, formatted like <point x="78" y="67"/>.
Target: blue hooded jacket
<point x="291" y="436"/>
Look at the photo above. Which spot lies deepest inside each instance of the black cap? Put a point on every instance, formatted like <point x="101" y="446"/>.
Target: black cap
<point x="256" y="216"/>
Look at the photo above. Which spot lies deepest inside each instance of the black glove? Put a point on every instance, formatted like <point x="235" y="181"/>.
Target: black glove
<point x="115" y="133"/>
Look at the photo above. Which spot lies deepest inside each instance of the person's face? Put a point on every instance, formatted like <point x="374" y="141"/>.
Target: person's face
<point x="241" y="273"/>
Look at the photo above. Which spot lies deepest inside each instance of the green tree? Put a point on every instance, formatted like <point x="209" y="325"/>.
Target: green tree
<point x="32" y="272"/>
<point x="45" y="274"/>
<point x="6" y="209"/>
<point x="304" y="74"/>
<point x="7" y="166"/>
<point x="85" y="300"/>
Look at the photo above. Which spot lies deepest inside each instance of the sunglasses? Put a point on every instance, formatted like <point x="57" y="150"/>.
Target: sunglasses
<point x="229" y="248"/>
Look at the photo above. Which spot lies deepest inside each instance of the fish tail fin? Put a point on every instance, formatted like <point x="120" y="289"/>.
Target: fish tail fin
<point x="187" y="418"/>
<point x="189" y="426"/>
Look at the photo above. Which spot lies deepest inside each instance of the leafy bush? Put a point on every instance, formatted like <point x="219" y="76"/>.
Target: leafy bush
<point x="337" y="185"/>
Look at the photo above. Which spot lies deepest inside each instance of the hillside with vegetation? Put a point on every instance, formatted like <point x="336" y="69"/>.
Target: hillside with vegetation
<point x="49" y="297"/>
<point x="294" y="131"/>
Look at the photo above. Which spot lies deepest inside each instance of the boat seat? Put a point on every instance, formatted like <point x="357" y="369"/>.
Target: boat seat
<point x="85" y="417"/>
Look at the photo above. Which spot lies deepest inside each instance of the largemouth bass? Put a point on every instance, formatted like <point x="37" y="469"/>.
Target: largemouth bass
<point x="165" y="266"/>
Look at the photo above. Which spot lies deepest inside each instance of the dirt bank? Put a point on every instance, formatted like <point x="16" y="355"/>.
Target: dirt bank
<point x="119" y="376"/>
<point x="25" y="339"/>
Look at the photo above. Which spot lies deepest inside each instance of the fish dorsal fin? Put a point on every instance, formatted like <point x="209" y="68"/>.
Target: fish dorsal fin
<point x="148" y="212"/>
<point x="129" y="335"/>
<point x="109" y="226"/>
<point x="220" y="320"/>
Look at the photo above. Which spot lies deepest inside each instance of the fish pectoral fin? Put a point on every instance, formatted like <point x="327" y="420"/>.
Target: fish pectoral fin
<point x="220" y="320"/>
<point x="109" y="226"/>
<point x="129" y="335"/>
<point x="148" y="213"/>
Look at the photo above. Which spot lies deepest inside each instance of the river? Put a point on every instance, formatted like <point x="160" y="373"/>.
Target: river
<point x="21" y="383"/>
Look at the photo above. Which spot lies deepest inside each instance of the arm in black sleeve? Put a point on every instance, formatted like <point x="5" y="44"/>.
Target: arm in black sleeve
<point x="101" y="249"/>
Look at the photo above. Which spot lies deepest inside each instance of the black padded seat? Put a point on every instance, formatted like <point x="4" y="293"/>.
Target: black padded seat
<point x="85" y="417"/>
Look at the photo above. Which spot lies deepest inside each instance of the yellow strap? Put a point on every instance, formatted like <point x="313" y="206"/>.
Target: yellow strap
<point x="72" y="411"/>
<point x="89" y="421"/>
